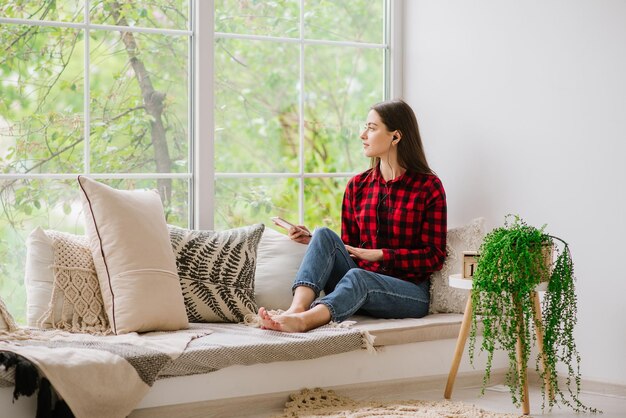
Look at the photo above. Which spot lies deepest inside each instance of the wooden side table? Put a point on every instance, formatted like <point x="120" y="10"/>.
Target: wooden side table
<point x="456" y="280"/>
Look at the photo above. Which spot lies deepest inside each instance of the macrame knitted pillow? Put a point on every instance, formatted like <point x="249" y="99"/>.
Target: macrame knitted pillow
<point x="62" y="288"/>
<point x="216" y="270"/>
<point x="443" y="298"/>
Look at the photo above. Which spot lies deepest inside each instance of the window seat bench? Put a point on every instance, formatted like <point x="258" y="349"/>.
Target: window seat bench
<point x="405" y="348"/>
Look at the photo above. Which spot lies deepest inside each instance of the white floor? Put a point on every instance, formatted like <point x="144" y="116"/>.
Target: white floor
<point x="498" y="399"/>
<point x="611" y="399"/>
<point x="467" y="389"/>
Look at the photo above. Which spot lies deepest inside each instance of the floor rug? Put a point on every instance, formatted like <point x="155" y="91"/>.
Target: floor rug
<point x="311" y="403"/>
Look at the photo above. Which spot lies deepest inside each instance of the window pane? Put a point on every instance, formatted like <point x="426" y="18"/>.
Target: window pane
<point x="25" y="205"/>
<point x="339" y="95"/>
<point x="322" y="202"/>
<point x="63" y="11"/>
<point x="354" y="20"/>
<point x="174" y="195"/>
<point x="240" y="202"/>
<point x="163" y="14"/>
<point x="139" y="103"/>
<point x="256" y="106"/>
<point x="270" y="18"/>
<point x="41" y="100"/>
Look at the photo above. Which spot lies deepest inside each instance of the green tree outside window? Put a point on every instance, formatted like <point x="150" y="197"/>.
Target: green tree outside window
<point x="104" y="87"/>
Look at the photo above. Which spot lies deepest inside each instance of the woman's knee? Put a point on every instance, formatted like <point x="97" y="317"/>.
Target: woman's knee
<point x="324" y="231"/>
<point x="354" y="279"/>
<point x="325" y="234"/>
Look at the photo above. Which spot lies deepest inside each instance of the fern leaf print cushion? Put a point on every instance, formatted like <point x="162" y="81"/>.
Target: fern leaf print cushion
<point x="216" y="270"/>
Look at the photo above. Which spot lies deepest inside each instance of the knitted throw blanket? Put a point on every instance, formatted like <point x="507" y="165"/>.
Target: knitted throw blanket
<point x="107" y="376"/>
<point x="100" y="376"/>
<point x="6" y="319"/>
<point x="231" y="344"/>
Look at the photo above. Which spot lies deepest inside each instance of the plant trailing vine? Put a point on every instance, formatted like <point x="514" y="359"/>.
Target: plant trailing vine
<point x="511" y="264"/>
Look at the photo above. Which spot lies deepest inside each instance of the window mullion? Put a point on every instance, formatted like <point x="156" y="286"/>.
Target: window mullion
<point x="301" y="119"/>
<point x="203" y="164"/>
<point x="393" y="53"/>
<point x="86" y="96"/>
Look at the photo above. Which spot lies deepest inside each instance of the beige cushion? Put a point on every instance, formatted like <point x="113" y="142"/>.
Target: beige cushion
<point x="133" y="256"/>
<point x="443" y="298"/>
<point x="410" y="330"/>
<point x="278" y="262"/>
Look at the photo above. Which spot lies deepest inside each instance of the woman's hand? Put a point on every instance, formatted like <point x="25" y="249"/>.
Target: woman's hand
<point x="365" y="254"/>
<point x="300" y="234"/>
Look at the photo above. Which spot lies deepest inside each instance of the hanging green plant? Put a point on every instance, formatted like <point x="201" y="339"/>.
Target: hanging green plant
<point x="513" y="260"/>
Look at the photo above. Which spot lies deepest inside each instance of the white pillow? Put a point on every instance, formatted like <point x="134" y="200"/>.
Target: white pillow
<point x="133" y="257"/>
<point x="39" y="277"/>
<point x="443" y="298"/>
<point x="278" y="260"/>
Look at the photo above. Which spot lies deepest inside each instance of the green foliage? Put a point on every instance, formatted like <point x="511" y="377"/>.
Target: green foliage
<point x="270" y="18"/>
<point x="42" y="116"/>
<point x="258" y="116"/>
<point x="559" y="319"/>
<point x="511" y="264"/>
<point x="354" y="21"/>
<point x="138" y="111"/>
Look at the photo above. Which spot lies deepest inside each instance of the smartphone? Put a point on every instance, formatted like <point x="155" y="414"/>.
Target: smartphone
<point x="287" y="225"/>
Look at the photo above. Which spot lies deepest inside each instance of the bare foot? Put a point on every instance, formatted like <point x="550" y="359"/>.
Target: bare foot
<point x="294" y="310"/>
<point x="288" y="323"/>
<point x="285" y="322"/>
<point x="266" y="319"/>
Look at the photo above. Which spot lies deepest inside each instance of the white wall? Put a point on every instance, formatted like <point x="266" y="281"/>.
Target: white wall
<point x="522" y="108"/>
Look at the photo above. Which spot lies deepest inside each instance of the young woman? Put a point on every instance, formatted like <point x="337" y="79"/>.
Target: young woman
<point x="393" y="235"/>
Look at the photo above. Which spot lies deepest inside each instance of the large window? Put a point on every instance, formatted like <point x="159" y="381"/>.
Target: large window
<point x="116" y="89"/>
<point x="96" y="87"/>
<point x="294" y="80"/>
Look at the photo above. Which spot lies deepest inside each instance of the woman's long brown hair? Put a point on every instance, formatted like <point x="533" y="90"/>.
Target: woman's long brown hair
<point x="397" y="115"/>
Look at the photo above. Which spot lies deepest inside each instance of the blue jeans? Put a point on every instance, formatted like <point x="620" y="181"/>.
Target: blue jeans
<point x="349" y="289"/>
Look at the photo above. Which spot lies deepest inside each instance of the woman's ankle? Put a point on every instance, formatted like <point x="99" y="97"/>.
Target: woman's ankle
<point x="303" y="296"/>
<point x="297" y="309"/>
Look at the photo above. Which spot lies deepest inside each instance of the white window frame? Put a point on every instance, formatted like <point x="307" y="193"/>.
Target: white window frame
<point x="203" y="127"/>
<point x="87" y="26"/>
<point x="203" y="99"/>
<point x="201" y="174"/>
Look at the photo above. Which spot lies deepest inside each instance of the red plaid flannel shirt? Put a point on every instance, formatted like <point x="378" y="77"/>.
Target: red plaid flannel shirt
<point x="405" y="217"/>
